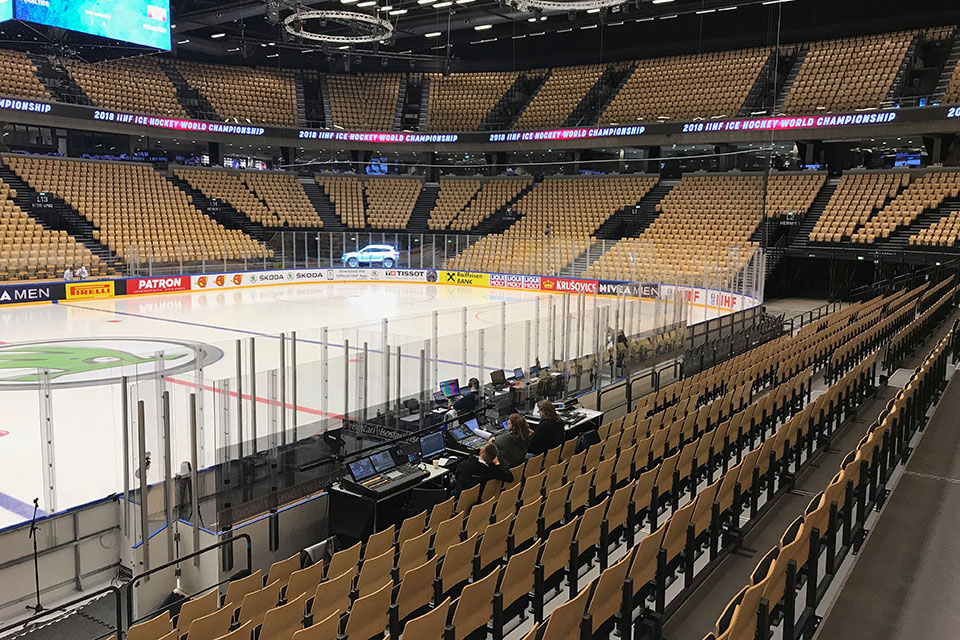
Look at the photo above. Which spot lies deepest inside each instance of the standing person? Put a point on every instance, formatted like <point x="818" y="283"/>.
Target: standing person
<point x="486" y="466"/>
<point x="82" y="272"/>
<point x="68" y="274"/>
<point x="514" y="442"/>
<point x="549" y="433"/>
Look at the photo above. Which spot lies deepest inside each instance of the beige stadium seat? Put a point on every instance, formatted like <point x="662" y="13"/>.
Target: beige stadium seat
<point x="135" y="84"/>
<point x="245" y="95"/>
<point x="364" y="102"/>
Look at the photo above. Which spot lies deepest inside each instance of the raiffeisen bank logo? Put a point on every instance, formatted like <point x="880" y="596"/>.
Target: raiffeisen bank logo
<point x="89" y="362"/>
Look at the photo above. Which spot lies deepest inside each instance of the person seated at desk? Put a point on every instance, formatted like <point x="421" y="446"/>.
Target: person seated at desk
<point x="514" y="442"/>
<point x="486" y="466"/>
<point x="470" y="400"/>
<point x="549" y="433"/>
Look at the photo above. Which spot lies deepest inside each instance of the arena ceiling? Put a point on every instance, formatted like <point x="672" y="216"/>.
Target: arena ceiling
<point x="452" y="35"/>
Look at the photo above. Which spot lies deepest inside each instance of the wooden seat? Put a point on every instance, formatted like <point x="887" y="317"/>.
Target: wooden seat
<point x="606" y="599"/>
<point x="429" y="625"/>
<point x="237" y="589"/>
<point x="564" y="623"/>
<point x="375" y="573"/>
<point x="332" y="595"/>
<point x="379" y="543"/>
<point x="416" y="589"/>
<point x="474" y="607"/>
<point x="493" y="545"/>
<point x="326" y="629"/>
<point x="369" y="614"/>
<point x="211" y="626"/>
<point x="256" y="603"/>
<point x="555" y="553"/>
<point x="197" y="607"/>
<point x="242" y="633"/>
<point x="413" y="553"/>
<point x="457" y="564"/>
<point x="411" y="528"/>
<point x="344" y="560"/>
<point x="448" y="534"/>
<point x="281" y="570"/>
<point x="152" y="629"/>
<point x="280" y="623"/>
<point x="518" y="576"/>
<point x="524" y="527"/>
<point x="304" y="581"/>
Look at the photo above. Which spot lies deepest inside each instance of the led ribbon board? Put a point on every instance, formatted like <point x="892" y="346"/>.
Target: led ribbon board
<point x="144" y="22"/>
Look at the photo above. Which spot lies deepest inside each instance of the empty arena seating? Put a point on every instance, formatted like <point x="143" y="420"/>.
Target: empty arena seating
<point x="453" y="197"/>
<point x="945" y="232"/>
<point x="952" y="96"/>
<point x="29" y="251"/>
<point x="137" y="84"/>
<point x="346" y="194"/>
<point x="365" y="102"/>
<point x="704" y="85"/>
<point x="558" y="217"/>
<point x="284" y="197"/>
<point x="923" y="193"/>
<point x="792" y="194"/>
<point x="460" y="101"/>
<point x="559" y="96"/>
<point x="245" y="94"/>
<point x="390" y="201"/>
<point x="18" y="77"/>
<point x="493" y="195"/>
<point x="851" y="73"/>
<point x="856" y="198"/>
<point x="139" y="214"/>
<point x="219" y="184"/>
<point x="702" y="231"/>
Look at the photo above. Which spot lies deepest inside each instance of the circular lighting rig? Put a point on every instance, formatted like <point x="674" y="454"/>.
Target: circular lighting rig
<point x="370" y="28"/>
<point x="561" y="5"/>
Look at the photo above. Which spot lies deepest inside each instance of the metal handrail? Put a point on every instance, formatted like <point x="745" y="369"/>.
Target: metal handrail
<point x="140" y="576"/>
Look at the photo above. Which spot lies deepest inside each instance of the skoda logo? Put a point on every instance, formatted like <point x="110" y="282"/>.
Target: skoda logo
<point x="88" y="362"/>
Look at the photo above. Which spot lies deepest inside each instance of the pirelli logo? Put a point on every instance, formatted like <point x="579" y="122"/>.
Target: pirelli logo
<point x="89" y="290"/>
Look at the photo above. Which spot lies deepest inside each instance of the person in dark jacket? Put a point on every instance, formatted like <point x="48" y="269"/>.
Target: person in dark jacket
<point x="549" y="433"/>
<point x="470" y="400"/>
<point x="514" y="442"/>
<point x="479" y="470"/>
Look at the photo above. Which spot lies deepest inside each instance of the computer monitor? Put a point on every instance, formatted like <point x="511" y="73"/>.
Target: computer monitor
<point x="431" y="445"/>
<point x="450" y="388"/>
<point x="459" y="433"/>
<point x="534" y="371"/>
<point x="439" y="398"/>
<point x="361" y="469"/>
<point x="518" y="373"/>
<point x="472" y="425"/>
<point x="382" y="461"/>
<point x="505" y="424"/>
<point x="498" y="378"/>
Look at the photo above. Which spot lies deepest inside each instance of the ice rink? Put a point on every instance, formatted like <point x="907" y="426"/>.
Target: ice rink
<point x="86" y="346"/>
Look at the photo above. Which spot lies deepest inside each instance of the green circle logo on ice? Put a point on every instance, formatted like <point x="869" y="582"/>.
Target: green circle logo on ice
<point x="89" y="362"/>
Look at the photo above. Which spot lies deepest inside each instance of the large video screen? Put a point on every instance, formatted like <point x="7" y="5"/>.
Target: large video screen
<point x="6" y="10"/>
<point x="145" y="22"/>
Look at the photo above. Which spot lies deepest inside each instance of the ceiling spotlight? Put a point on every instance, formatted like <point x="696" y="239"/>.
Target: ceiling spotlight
<point x="442" y="5"/>
<point x="388" y="7"/>
<point x="426" y="1"/>
<point x="366" y="3"/>
<point x="433" y="34"/>
<point x="184" y="41"/>
<point x="398" y="12"/>
<point x="344" y="47"/>
<point x="661" y="1"/>
<point x="531" y="19"/>
<point x="218" y="35"/>
<point x="594" y="10"/>
<point x="483" y="27"/>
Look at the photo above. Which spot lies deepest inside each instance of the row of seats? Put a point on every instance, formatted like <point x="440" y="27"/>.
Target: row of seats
<point x="559" y="95"/>
<point x="29" y="251"/>
<point x="452" y="198"/>
<point x="137" y="84"/>
<point x="558" y="218"/>
<point x="218" y="184"/>
<point x="19" y="76"/>
<point x="856" y="198"/>
<point x="923" y="193"/>
<point x="704" y="85"/>
<point x="375" y="202"/>
<point x="464" y="204"/>
<point x="245" y="94"/>
<point x="136" y="212"/>
<point x="364" y="102"/>
<point x="850" y="73"/>
<point x="792" y="578"/>
<point x="703" y="230"/>
<point x="460" y="101"/>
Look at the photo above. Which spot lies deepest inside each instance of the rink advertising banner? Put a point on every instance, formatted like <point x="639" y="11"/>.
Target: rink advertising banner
<point x="89" y="290"/>
<point x="635" y="289"/>
<point x="138" y="286"/>
<point x="512" y="281"/>
<point x="564" y="285"/>
<point x="26" y="293"/>
<point x="465" y="278"/>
